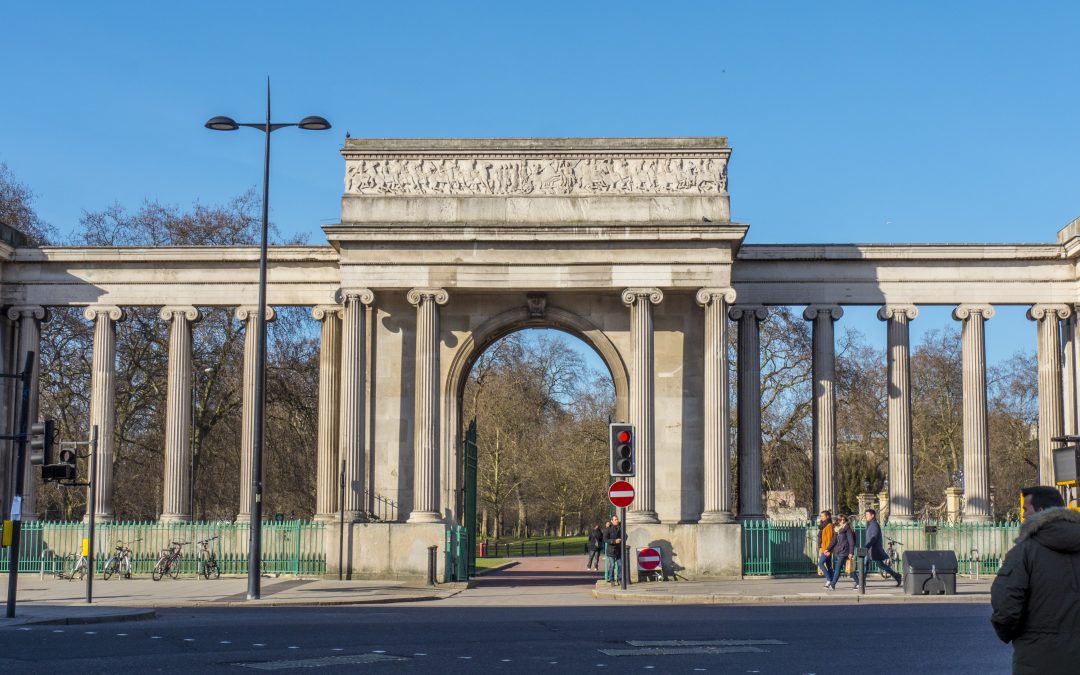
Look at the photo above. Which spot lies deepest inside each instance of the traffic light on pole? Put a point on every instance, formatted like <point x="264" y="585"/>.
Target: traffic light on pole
<point x="623" y="455"/>
<point x="65" y="469"/>
<point x="41" y="442"/>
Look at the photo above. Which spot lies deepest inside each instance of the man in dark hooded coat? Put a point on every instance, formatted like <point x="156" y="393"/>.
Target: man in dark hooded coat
<point x="1036" y="595"/>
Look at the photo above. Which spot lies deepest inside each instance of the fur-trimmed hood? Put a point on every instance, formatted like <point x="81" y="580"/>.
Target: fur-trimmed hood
<point x="1056" y="528"/>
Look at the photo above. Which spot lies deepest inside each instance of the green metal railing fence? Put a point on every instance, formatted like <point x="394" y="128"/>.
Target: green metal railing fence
<point x="522" y="549"/>
<point x="778" y="547"/>
<point x="292" y="547"/>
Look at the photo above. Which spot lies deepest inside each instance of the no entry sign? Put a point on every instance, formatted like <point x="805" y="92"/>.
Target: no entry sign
<point x="621" y="493"/>
<point x="648" y="559"/>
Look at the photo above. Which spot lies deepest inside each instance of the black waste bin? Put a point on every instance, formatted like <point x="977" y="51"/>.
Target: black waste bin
<point x="930" y="572"/>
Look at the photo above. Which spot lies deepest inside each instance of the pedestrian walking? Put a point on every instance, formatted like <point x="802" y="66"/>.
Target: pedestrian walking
<point x="824" y="538"/>
<point x="874" y="549"/>
<point x="613" y="539"/>
<point x="1036" y="595"/>
<point x="842" y="547"/>
<point x="595" y="546"/>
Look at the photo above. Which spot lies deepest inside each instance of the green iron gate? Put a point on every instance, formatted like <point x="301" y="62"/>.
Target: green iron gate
<point x="469" y="516"/>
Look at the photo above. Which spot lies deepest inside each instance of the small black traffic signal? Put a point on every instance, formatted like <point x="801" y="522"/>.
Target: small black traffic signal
<point x="64" y="469"/>
<point x="623" y="455"/>
<point x="41" y="442"/>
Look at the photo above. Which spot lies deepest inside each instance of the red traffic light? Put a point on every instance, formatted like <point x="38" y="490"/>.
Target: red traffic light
<point x="624" y="436"/>
<point x="67" y="456"/>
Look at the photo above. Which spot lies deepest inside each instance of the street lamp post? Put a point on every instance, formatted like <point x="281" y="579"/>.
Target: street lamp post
<point x="221" y="123"/>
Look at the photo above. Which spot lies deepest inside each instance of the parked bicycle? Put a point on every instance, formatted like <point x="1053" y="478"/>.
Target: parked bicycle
<point x="892" y="558"/>
<point x="169" y="562"/>
<point x="208" y="565"/>
<point x="119" y="562"/>
<point x="78" y="567"/>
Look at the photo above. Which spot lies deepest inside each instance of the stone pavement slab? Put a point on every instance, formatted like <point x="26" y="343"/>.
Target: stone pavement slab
<point x="784" y="590"/>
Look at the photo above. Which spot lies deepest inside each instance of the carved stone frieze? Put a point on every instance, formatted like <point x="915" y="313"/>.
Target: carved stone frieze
<point x="558" y="175"/>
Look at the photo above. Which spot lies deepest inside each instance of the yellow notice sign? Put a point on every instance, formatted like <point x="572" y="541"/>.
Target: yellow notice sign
<point x="6" y="539"/>
<point x="85" y="546"/>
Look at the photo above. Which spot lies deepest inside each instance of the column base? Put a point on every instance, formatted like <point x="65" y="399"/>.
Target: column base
<point x="717" y="517"/>
<point x="642" y="517"/>
<point x="174" y="518"/>
<point x="424" y="517"/>
<point x="100" y="518"/>
<point x="243" y="517"/>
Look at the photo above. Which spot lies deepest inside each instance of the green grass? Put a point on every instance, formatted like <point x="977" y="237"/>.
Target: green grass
<point x="542" y="541"/>
<point x="488" y="563"/>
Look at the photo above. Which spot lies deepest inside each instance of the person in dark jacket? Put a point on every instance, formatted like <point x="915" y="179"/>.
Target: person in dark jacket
<point x="596" y="545"/>
<point x="874" y="549"/>
<point x="824" y="537"/>
<point x="841" y="547"/>
<point x="613" y="539"/>
<point x="1036" y="595"/>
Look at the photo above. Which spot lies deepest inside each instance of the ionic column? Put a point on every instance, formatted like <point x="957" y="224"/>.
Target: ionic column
<point x="30" y="318"/>
<point x="426" y="411"/>
<point x="976" y="432"/>
<point x="717" y="483"/>
<point x="1051" y="414"/>
<point x="1070" y="364"/>
<point x="176" y="505"/>
<point x="103" y="401"/>
<point x="351" y="448"/>
<point x="249" y="315"/>
<point x="901" y="468"/>
<point x="640" y="302"/>
<point x="748" y="363"/>
<point x="328" y="463"/>
<point x="824" y="404"/>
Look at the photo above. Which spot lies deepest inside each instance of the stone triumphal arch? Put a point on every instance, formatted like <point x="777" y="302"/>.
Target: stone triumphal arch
<point x="446" y="245"/>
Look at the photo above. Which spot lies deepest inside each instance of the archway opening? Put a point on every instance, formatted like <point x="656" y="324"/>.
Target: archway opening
<point x="541" y="400"/>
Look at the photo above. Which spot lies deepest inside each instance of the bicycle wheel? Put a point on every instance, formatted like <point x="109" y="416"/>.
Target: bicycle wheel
<point x="214" y="572"/>
<point x="160" y="568"/>
<point x="174" y="569"/>
<point x="80" y="569"/>
<point x="110" y="568"/>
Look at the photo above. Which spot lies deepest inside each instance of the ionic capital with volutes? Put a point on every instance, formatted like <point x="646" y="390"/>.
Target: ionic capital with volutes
<point x="966" y="310"/>
<point x="324" y="312"/>
<point x="437" y="295"/>
<point x="631" y="296"/>
<point x="113" y="312"/>
<point x="707" y="296"/>
<point x="1039" y="311"/>
<point x="245" y="312"/>
<point x="896" y="311"/>
<point x="759" y="312"/>
<point x="832" y="311"/>
<point x="362" y="295"/>
<point x="16" y="312"/>
<point x="170" y="312"/>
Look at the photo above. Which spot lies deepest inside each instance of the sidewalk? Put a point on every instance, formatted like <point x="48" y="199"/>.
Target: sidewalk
<point x="58" y="601"/>
<point x="784" y="590"/>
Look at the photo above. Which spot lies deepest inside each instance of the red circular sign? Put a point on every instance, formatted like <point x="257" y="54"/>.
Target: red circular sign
<point x="648" y="559"/>
<point x="621" y="493"/>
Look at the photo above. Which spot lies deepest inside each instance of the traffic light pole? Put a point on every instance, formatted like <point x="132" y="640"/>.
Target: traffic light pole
<point x="90" y="515"/>
<point x="624" y="554"/>
<point x="20" y="470"/>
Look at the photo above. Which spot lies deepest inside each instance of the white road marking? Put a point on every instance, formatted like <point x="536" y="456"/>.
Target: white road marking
<point x="57" y="630"/>
<point x="337" y="649"/>
<point x="90" y="632"/>
<point x="505" y="660"/>
<point x="258" y="644"/>
<point x="189" y="639"/>
<point x="155" y="637"/>
<point x="224" y="642"/>
<point x="121" y="635"/>
<point x="701" y="643"/>
<point x="681" y="651"/>
<point x="378" y="651"/>
<point x="293" y="647"/>
<point x="24" y="629"/>
<point x="322" y="661"/>
<point x="466" y="658"/>
<point x="420" y="654"/>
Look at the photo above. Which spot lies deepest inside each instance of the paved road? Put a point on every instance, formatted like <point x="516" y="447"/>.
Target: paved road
<point x="510" y="625"/>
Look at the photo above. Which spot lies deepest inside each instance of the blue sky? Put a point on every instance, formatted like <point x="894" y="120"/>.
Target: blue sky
<point x="867" y="122"/>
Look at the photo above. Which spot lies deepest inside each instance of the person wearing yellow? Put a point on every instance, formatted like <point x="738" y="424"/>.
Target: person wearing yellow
<point x="824" y="538"/>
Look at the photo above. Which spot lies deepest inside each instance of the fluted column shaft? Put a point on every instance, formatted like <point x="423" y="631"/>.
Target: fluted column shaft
<point x="824" y="404"/>
<point x="103" y="402"/>
<point x="30" y="318"/>
<point x="351" y="448"/>
<point x="1070" y="394"/>
<point x="642" y="403"/>
<point x="328" y="461"/>
<point x="748" y="363"/>
<point x="976" y="431"/>
<point x="1051" y="413"/>
<point x="176" y="506"/>
<point x="249" y="316"/>
<point x="717" y="479"/>
<point x="426" y="411"/>
<point x="901" y="465"/>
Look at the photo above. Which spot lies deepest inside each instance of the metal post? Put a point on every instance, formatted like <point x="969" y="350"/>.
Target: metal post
<point x="93" y="506"/>
<point x="431" y="565"/>
<point x="20" y="469"/>
<point x="255" y="549"/>
<point x="341" y="526"/>
<point x="863" y="567"/>
<point x="624" y="552"/>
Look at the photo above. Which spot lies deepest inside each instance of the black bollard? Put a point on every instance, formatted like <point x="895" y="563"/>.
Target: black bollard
<point x="431" y="564"/>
